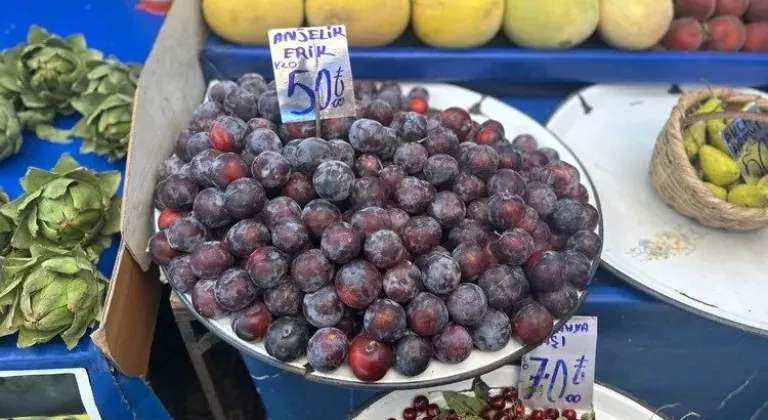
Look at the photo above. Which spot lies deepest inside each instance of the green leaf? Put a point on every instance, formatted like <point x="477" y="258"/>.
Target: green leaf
<point x="35" y="178"/>
<point x="101" y="69"/>
<point x="76" y="41"/>
<point x="31" y="219"/>
<point x="29" y="337"/>
<point x="82" y="130"/>
<point x="33" y="117"/>
<point x="53" y="134"/>
<point x="37" y="34"/>
<point x="21" y="237"/>
<point x="56" y="188"/>
<point x="80" y="85"/>
<point x="55" y="319"/>
<point x="88" y="145"/>
<point x="80" y="294"/>
<point x="112" y="219"/>
<point x="76" y="330"/>
<point x="86" y="197"/>
<point x="57" y="43"/>
<point x="8" y="80"/>
<point x="66" y="163"/>
<point x="109" y="182"/>
<point x="30" y="99"/>
<point x="114" y="101"/>
<point x="88" y="103"/>
<point x="26" y="201"/>
<point x="12" y="56"/>
<point x="63" y="265"/>
<point x="463" y="404"/>
<point x="13" y="319"/>
<point x="92" y="55"/>
<point x="7" y="294"/>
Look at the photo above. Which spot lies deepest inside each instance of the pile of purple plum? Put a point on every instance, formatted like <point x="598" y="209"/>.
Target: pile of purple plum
<point x="392" y="237"/>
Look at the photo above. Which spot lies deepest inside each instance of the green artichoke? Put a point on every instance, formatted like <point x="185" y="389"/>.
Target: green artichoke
<point x="10" y="130"/>
<point x="110" y="76"/>
<point x="106" y="123"/>
<point x="54" y="292"/>
<point x="45" y="74"/>
<point x="6" y="226"/>
<point x="67" y="207"/>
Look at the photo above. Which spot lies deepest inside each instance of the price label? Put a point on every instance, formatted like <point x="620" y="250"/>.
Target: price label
<point x="313" y="76"/>
<point x="560" y="372"/>
<point x="748" y="143"/>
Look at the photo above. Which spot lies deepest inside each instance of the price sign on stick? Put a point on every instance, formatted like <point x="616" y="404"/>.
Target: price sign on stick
<point x="313" y="77"/>
<point x="560" y="372"/>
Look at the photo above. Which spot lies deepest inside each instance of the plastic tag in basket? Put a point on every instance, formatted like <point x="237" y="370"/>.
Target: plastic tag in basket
<point x="747" y="142"/>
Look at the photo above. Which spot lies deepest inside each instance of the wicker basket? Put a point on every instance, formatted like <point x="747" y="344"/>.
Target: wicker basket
<point x="675" y="179"/>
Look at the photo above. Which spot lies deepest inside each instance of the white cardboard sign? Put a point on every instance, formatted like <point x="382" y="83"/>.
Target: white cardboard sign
<point x="313" y="76"/>
<point x="560" y="373"/>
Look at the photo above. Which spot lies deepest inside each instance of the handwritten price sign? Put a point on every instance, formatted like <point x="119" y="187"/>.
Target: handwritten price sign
<point x="560" y="372"/>
<point x="312" y="73"/>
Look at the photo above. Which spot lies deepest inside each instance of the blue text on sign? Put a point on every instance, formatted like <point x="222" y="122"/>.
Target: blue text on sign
<point x="308" y="34"/>
<point x="558" y="378"/>
<point x="334" y="96"/>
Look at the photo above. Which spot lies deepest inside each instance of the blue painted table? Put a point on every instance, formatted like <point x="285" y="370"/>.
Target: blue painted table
<point x="117" y="29"/>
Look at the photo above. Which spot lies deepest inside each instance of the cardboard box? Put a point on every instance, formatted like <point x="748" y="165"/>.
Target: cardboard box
<point x="170" y="87"/>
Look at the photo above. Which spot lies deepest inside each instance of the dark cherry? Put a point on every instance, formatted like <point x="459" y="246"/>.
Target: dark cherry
<point x="552" y="413"/>
<point x="510" y="394"/>
<point x="497" y="402"/>
<point x="410" y="413"/>
<point x="569" y="414"/>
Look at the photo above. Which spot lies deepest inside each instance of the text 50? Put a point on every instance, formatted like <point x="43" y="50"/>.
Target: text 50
<point x="332" y="95"/>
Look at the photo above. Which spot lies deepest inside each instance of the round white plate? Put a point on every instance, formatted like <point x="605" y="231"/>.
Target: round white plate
<point x="515" y="122"/>
<point x="718" y="274"/>
<point x="609" y="404"/>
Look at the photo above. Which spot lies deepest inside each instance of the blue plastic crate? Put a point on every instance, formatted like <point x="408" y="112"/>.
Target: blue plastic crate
<point x="500" y="60"/>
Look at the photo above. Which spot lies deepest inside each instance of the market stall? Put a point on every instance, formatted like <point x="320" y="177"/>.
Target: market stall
<point x="393" y="233"/>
